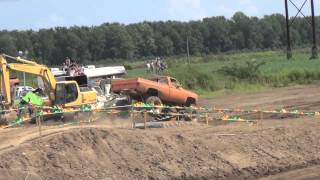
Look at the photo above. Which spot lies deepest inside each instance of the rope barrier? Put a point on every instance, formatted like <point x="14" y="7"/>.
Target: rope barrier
<point x="200" y="112"/>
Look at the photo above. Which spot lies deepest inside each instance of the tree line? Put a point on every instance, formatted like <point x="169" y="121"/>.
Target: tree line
<point x="113" y="41"/>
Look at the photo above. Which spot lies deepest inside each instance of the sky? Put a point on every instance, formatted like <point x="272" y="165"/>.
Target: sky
<point x="37" y="14"/>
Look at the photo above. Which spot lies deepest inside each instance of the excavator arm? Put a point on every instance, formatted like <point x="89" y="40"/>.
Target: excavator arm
<point x="4" y="81"/>
<point x="29" y="67"/>
<point x="41" y="71"/>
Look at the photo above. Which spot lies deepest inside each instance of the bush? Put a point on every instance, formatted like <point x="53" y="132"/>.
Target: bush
<point x="128" y="67"/>
<point x="291" y="77"/>
<point x="192" y="78"/>
<point x="249" y="71"/>
<point x="302" y="77"/>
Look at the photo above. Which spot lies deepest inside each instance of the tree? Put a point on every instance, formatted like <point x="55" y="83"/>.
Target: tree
<point x="241" y="28"/>
<point x="149" y="39"/>
<point x="96" y="43"/>
<point x="7" y="44"/>
<point x="23" y="41"/>
<point x="273" y="31"/>
<point x="146" y="46"/>
<point x="44" y="45"/>
<point x="217" y="34"/>
<point x="164" y="45"/>
<point x="118" y="43"/>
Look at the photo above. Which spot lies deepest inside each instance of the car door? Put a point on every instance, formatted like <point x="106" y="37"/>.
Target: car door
<point x="164" y="89"/>
<point x="176" y="92"/>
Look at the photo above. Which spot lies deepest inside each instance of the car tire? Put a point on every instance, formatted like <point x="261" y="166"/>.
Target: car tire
<point x="190" y="102"/>
<point x="154" y="100"/>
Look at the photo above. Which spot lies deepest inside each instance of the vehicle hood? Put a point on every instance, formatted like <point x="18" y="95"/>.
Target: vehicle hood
<point x="190" y="93"/>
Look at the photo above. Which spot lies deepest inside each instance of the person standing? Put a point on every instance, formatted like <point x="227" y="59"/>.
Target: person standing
<point x="108" y="86"/>
<point x="102" y="85"/>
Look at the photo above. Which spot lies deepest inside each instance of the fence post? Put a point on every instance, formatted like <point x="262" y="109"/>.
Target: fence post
<point x="38" y="120"/>
<point x="145" y="120"/>
<point x="132" y="117"/>
<point x="90" y="117"/>
<point x="76" y="115"/>
<point x="207" y="119"/>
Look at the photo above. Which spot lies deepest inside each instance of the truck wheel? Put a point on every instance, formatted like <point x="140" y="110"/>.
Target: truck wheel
<point x="190" y="102"/>
<point x="3" y="121"/>
<point x="154" y="100"/>
<point x="192" y="113"/>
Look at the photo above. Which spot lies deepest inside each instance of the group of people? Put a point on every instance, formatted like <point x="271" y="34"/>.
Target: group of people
<point x="72" y="68"/>
<point x="156" y="66"/>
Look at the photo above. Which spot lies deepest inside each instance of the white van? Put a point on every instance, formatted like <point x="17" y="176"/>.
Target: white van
<point x="19" y="91"/>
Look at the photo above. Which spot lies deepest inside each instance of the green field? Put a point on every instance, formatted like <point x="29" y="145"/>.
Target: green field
<point x="215" y="75"/>
<point x="205" y="75"/>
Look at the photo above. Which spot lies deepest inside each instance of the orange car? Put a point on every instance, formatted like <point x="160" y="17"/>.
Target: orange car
<point x="157" y="90"/>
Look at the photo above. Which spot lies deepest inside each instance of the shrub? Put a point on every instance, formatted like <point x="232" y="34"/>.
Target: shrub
<point x="193" y="78"/>
<point x="249" y="71"/>
<point x="128" y="67"/>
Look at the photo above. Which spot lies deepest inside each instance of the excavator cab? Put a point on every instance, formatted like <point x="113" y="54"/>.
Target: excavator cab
<point x="67" y="93"/>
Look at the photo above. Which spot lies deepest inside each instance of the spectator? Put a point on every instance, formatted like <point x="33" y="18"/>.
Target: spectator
<point x="102" y="85"/>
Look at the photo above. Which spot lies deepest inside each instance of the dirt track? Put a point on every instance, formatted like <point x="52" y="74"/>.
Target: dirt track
<point x="272" y="149"/>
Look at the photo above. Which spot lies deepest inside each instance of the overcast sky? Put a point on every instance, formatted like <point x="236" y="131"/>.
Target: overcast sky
<point x="35" y="14"/>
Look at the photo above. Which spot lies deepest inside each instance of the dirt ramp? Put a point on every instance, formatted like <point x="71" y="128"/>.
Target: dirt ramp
<point x="99" y="154"/>
<point x="182" y="153"/>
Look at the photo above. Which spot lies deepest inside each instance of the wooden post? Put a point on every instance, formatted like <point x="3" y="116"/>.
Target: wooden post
<point x="77" y="117"/>
<point x="38" y="120"/>
<point x="207" y="119"/>
<point x="132" y="117"/>
<point x="261" y="118"/>
<point x="145" y="120"/>
<point x="90" y="117"/>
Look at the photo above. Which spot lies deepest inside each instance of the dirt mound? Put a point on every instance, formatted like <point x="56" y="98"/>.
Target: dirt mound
<point x="110" y="150"/>
<point x="238" y="151"/>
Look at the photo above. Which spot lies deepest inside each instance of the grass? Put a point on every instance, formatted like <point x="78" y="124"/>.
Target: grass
<point x="204" y="76"/>
<point x="239" y="88"/>
<point x="215" y="75"/>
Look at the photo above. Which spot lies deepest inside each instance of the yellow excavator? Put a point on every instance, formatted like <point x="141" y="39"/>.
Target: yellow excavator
<point x="64" y="94"/>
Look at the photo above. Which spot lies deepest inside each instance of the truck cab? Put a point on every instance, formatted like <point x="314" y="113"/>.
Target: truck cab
<point x="172" y="91"/>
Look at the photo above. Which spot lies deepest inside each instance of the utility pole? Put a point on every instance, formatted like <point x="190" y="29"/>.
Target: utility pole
<point x="289" y="53"/>
<point x="314" y="36"/>
<point x="289" y="22"/>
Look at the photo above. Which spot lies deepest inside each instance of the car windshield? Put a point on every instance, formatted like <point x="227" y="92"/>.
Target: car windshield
<point x="175" y="83"/>
<point x="162" y="81"/>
